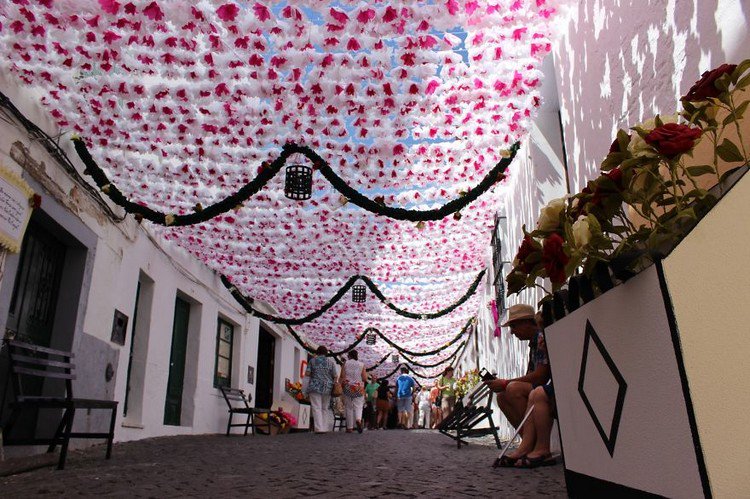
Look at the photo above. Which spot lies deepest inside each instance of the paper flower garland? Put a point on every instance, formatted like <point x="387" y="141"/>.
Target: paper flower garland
<point x="411" y="105"/>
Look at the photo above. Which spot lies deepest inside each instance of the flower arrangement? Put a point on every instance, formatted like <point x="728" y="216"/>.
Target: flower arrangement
<point x="466" y="382"/>
<point x="279" y="418"/>
<point x="295" y="390"/>
<point x="651" y="190"/>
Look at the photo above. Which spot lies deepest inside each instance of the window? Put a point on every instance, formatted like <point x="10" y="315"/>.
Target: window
<point x="497" y="263"/>
<point x="224" y="337"/>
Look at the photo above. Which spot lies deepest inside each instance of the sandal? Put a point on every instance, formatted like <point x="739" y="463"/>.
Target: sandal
<point x="507" y="461"/>
<point x="536" y="462"/>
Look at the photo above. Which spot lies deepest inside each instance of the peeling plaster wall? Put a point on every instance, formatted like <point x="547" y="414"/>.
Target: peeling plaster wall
<point x="620" y="62"/>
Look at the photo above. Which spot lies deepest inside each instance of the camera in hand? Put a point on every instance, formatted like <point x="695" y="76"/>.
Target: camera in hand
<point x="486" y="375"/>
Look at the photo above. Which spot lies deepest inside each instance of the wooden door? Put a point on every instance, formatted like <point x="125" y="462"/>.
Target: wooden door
<point x="31" y="314"/>
<point x="173" y="402"/>
<point x="32" y="306"/>
<point x="264" y="381"/>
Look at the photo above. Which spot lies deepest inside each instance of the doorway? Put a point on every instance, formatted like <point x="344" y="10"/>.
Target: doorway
<point x="139" y="341"/>
<point x="265" y="375"/>
<point x="31" y="316"/>
<point x="173" y="402"/>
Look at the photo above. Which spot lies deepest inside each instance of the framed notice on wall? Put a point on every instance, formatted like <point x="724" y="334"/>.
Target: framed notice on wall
<point x="15" y="209"/>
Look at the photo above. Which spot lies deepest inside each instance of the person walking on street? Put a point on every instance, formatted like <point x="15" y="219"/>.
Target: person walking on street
<point x="404" y="388"/>
<point x="371" y="395"/>
<point x="383" y="404"/>
<point x="435" y="401"/>
<point x="447" y="386"/>
<point x="353" y="378"/>
<point x="321" y="371"/>
<point x="425" y="409"/>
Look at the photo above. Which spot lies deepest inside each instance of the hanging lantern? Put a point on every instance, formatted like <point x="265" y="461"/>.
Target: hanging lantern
<point x="358" y="293"/>
<point x="370" y="338"/>
<point x="394" y="358"/>
<point x="298" y="185"/>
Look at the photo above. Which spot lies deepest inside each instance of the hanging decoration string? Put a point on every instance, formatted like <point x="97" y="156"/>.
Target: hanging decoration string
<point x="415" y="363"/>
<point x="266" y="174"/>
<point x="378" y="363"/>
<point x="247" y="302"/>
<point x="402" y="350"/>
<point x="399" y="348"/>
<point x="447" y="359"/>
<point x="415" y="373"/>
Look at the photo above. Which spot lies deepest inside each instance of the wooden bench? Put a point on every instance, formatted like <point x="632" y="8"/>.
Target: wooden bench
<point x="463" y="421"/>
<point x="31" y="362"/>
<point x="239" y="403"/>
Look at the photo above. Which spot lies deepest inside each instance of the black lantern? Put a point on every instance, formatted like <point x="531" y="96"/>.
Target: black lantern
<point x="298" y="185"/>
<point x="358" y="293"/>
<point x="394" y="358"/>
<point x="370" y="338"/>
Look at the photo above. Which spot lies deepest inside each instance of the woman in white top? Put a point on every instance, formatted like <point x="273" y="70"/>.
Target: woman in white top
<point x="353" y="378"/>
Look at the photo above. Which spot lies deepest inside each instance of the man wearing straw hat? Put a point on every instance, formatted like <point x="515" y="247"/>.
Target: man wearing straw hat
<point x="513" y="394"/>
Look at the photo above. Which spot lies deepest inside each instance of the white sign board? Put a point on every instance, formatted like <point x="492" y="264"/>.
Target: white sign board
<point x="15" y="209"/>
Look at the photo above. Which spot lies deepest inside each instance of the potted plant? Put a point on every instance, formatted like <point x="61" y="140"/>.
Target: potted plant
<point x="648" y="276"/>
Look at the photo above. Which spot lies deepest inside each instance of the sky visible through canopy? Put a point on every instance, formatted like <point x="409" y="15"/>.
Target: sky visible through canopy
<point x="182" y="102"/>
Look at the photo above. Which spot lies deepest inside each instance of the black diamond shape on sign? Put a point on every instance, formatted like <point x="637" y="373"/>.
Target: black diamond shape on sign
<point x="610" y="437"/>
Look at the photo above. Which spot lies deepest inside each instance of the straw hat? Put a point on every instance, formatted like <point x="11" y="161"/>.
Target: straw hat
<point x="519" y="312"/>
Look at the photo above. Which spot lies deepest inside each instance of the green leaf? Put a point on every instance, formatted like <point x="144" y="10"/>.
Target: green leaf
<point x="729" y="152"/>
<point x="699" y="170"/>
<point x="739" y="111"/>
<point x="744" y="81"/>
<point x="658" y="121"/>
<point x="741" y="68"/>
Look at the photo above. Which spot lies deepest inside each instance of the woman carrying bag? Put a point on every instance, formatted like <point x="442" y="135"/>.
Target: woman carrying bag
<point x="321" y="371"/>
<point x="353" y="378"/>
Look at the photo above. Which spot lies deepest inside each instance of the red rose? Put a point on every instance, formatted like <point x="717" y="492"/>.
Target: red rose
<point x="554" y="258"/>
<point x="526" y="249"/>
<point x="615" y="175"/>
<point x="672" y="139"/>
<point x="704" y="88"/>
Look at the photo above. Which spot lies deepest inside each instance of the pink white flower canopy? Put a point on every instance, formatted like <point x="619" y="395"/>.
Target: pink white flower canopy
<point x="180" y="102"/>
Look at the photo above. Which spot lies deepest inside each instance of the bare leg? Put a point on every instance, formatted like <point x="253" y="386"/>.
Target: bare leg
<point x="542" y="417"/>
<point x="513" y="401"/>
<point x="529" y="432"/>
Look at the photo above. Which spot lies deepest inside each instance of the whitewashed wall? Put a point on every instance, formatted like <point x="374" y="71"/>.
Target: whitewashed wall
<point x="617" y="63"/>
<point x="119" y="253"/>
<point x="620" y="62"/>
<point x="537" y="176"/>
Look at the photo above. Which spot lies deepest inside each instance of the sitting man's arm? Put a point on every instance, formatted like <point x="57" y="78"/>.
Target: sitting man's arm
<point x="537" y="377"/>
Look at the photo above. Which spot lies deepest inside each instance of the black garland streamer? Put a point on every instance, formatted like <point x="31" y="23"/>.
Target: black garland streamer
<point x="414" y="362"/>
<point x="447" y="359"/>
<point x="400" y="349"/>
<point x="378" y="363"/>
<point x="415" y="373"/>
<point x="255" y="185"/>
<point x="340" y="293"/>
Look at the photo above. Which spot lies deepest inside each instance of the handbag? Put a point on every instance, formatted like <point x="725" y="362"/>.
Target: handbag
<point x="337" y="390"/>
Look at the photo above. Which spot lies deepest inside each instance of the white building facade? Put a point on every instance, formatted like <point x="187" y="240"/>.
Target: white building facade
<point x="150" y="326"/>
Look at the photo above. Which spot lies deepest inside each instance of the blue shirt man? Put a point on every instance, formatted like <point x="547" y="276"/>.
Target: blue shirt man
<point x="404" y="388"/>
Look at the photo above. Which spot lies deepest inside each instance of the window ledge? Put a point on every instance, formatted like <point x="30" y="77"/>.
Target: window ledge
<point x="132" y="424"/>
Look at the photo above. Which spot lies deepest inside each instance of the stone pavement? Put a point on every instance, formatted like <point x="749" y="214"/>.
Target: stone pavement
<point x="398" y="463"/>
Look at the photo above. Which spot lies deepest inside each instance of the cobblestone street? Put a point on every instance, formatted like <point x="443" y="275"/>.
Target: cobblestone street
<point x="377" y="463"/>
